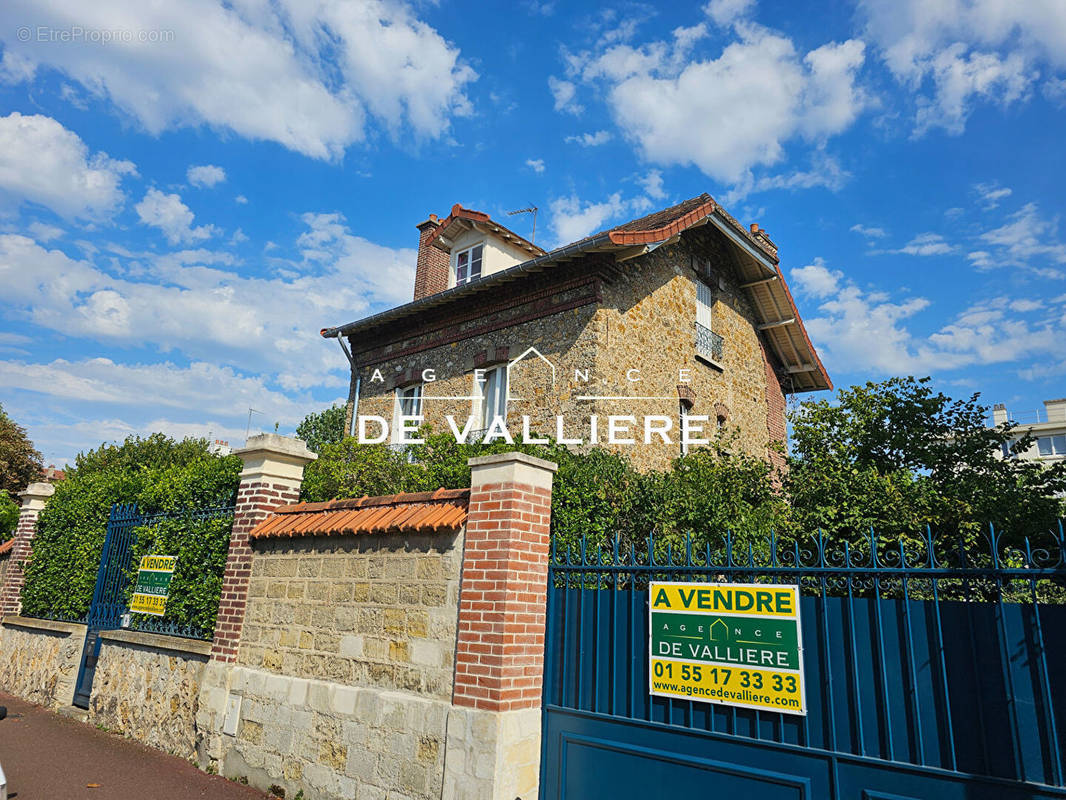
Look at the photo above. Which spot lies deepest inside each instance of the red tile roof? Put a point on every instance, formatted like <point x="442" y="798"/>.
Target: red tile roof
<point x="481" y="218"/>
<point x="7" y="546"/>
<point x="408" y="512"/>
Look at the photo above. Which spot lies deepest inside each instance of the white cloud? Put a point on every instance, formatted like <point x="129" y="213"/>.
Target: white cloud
<point x="45" y="233"/>
<point x="955" y="52"/>
<point x="573" y="218"/>
<point x="990" y="194"/>
<point x="590" y="139"/>
<point x="43" y="162"/>
<point x="825" y="172"/>
<point x="869" y="231"/>
<point x="726" y="12"/>
<point x="926" y="244"/>
<point x="564" y="94"/>
<point x="669" y="104"/>
<point x="653" y="184"/>
<point x="866" y="332"/>
<point x="1028" y="240"/>
<point x="535" y="164"/>
<point x="240" y="200"/>
<point x="205" y="175"/>
<point x="173" y="217"/>
<point x="309" y="76"/>
<point x="197" y="302"/>
<point x="202" y="387"/>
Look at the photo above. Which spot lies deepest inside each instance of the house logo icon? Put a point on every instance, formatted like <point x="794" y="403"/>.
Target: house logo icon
<point x="719" y="631"/>
<point x="531" y="354"/>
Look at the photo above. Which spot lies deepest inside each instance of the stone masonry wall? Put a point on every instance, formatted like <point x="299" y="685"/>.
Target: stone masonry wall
<point x="149" y="695"/>
<point x="648" y="317"/>
<point x="38" y="664"/>
<point x="644" y="319"/>
<point x="328" y="740"/>
<point x="369" y="610"/>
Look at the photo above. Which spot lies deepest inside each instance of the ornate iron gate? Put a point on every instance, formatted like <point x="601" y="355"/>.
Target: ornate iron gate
<point x="109" y="597"/>
<point x="930" y="674"/>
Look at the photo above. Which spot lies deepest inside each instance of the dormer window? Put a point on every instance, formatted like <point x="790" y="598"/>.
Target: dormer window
<point x="468" y="265"/>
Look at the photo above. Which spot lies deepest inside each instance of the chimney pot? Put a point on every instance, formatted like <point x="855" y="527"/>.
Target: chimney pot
<point x="754" y="228"/>
<point x="432" y="217"/>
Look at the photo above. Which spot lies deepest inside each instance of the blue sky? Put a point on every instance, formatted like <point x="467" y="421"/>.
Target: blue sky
<point x="189" y="191"/>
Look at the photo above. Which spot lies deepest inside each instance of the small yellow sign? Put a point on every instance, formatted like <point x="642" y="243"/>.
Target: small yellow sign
<point x="153" y="585"/>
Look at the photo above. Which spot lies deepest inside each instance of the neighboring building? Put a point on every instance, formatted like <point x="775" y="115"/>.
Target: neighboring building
<point x="686" y="300"/>
<point x="1049" y="436"/>
<point x="219" y="447"/>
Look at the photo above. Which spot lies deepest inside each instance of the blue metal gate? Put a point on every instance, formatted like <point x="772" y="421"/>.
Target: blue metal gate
<point x="109" y="597"/>
<point x="929" y="674"/>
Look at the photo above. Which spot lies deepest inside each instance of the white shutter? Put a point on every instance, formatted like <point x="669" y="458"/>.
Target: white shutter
<point x="703" y="304"/>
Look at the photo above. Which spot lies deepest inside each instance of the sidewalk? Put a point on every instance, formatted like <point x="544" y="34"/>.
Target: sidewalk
<point x="50" y="757"/>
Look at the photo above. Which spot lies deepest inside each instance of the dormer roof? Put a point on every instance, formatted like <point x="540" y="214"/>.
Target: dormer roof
<point x="464" y="219"/>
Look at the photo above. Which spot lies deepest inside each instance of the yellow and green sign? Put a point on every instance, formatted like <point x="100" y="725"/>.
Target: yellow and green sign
<point x="153" y="585"/>
<point x="737" y="644"/>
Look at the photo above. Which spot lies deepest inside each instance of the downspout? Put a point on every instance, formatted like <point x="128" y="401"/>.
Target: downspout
<point x="353" y="395"/>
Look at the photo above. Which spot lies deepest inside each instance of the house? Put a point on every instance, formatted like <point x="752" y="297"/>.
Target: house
<point x="678" y="321"/>
<point x="1049" y="436"/>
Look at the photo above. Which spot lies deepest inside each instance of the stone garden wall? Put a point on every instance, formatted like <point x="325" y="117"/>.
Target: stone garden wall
<point x="39" y="659"/>
<point x="147" y="687"/>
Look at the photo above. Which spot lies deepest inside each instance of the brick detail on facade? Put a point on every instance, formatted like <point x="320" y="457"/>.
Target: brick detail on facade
<point x="431" y="268"/>
<point x="775" y="412"/>
<point x="33" y="500"/>
<point x="499" y="658"/>
<point x="256" y="499"/>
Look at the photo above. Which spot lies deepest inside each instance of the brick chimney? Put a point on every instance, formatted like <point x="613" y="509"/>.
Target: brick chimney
<point x="431" y="271"/>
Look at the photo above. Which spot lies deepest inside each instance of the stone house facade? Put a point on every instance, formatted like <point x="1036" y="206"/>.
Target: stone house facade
<point x="679" y="318"/>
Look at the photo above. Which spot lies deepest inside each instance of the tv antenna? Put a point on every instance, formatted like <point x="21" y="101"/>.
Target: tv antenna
<point x="248" y="429"/>
<point x="530" y="210"/>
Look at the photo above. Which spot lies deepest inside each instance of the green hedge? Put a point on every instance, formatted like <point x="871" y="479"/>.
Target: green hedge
<point x="157" y="473"/>
<point x="596" y="494"/>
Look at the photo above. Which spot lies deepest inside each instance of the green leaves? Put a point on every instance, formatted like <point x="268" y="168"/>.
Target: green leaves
<point x="9" y="516"/>
<point x="322" y="428"/>
<point x="20" y="463"/>
<point x="158" y="474"/>
<point x="897" y="456"/>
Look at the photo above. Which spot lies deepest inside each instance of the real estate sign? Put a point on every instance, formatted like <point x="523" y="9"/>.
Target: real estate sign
<point x="738" y="644"/>
<point x="153" y="585"/>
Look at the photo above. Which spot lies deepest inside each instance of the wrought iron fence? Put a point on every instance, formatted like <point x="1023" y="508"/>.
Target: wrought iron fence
<point x="708" y="343"/>
<point x="924" y="654"/>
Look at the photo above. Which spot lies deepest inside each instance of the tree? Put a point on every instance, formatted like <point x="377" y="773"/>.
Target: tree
<point x="20" y="463"/>
<point x="897" y="456"/>
<point x="322" y="428"/>
<point x="156" y="473"/>
<point x="9" y="516"/>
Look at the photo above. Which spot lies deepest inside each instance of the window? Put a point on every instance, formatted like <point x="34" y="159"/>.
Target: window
<point x="409" y="401"/>
<point x="704" y="301"/>
<point x="493" y="390"/>
<point x="468" y="265"/>
<point x="1052" y="445"/>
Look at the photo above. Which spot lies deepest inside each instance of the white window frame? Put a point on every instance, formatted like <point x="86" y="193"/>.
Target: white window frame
<point x="704" y="302"/>
<point x="410" y="392"/>
<point x="469" y="253"/>
<point x="492" y="378"/>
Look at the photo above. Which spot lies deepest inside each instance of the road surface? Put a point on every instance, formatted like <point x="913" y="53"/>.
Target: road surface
<point x="47" y="756"/>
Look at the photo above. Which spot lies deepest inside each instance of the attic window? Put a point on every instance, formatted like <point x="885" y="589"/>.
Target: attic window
<point x="468" y="265"/>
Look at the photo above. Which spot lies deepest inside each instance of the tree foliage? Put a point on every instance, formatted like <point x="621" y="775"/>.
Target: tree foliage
<point x="596" y="494"/>
<point x="322" y="428"/>
<point x="897" y="456"/>
<point x="20" y="463"/>
<point x="157" y="473"/>
<point x="9" y="516"/>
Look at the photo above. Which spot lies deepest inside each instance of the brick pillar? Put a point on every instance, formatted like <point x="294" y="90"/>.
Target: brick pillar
<point x="432" y="266"/>
<point x="33" y="500"/>
<point x="272" y="474"/>
<point x="499" y="654"/>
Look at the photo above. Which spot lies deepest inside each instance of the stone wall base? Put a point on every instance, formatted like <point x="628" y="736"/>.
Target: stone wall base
<point x="330" y="740"/>
<point x="39" y="659"/>
<point x="494" y="755"/>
